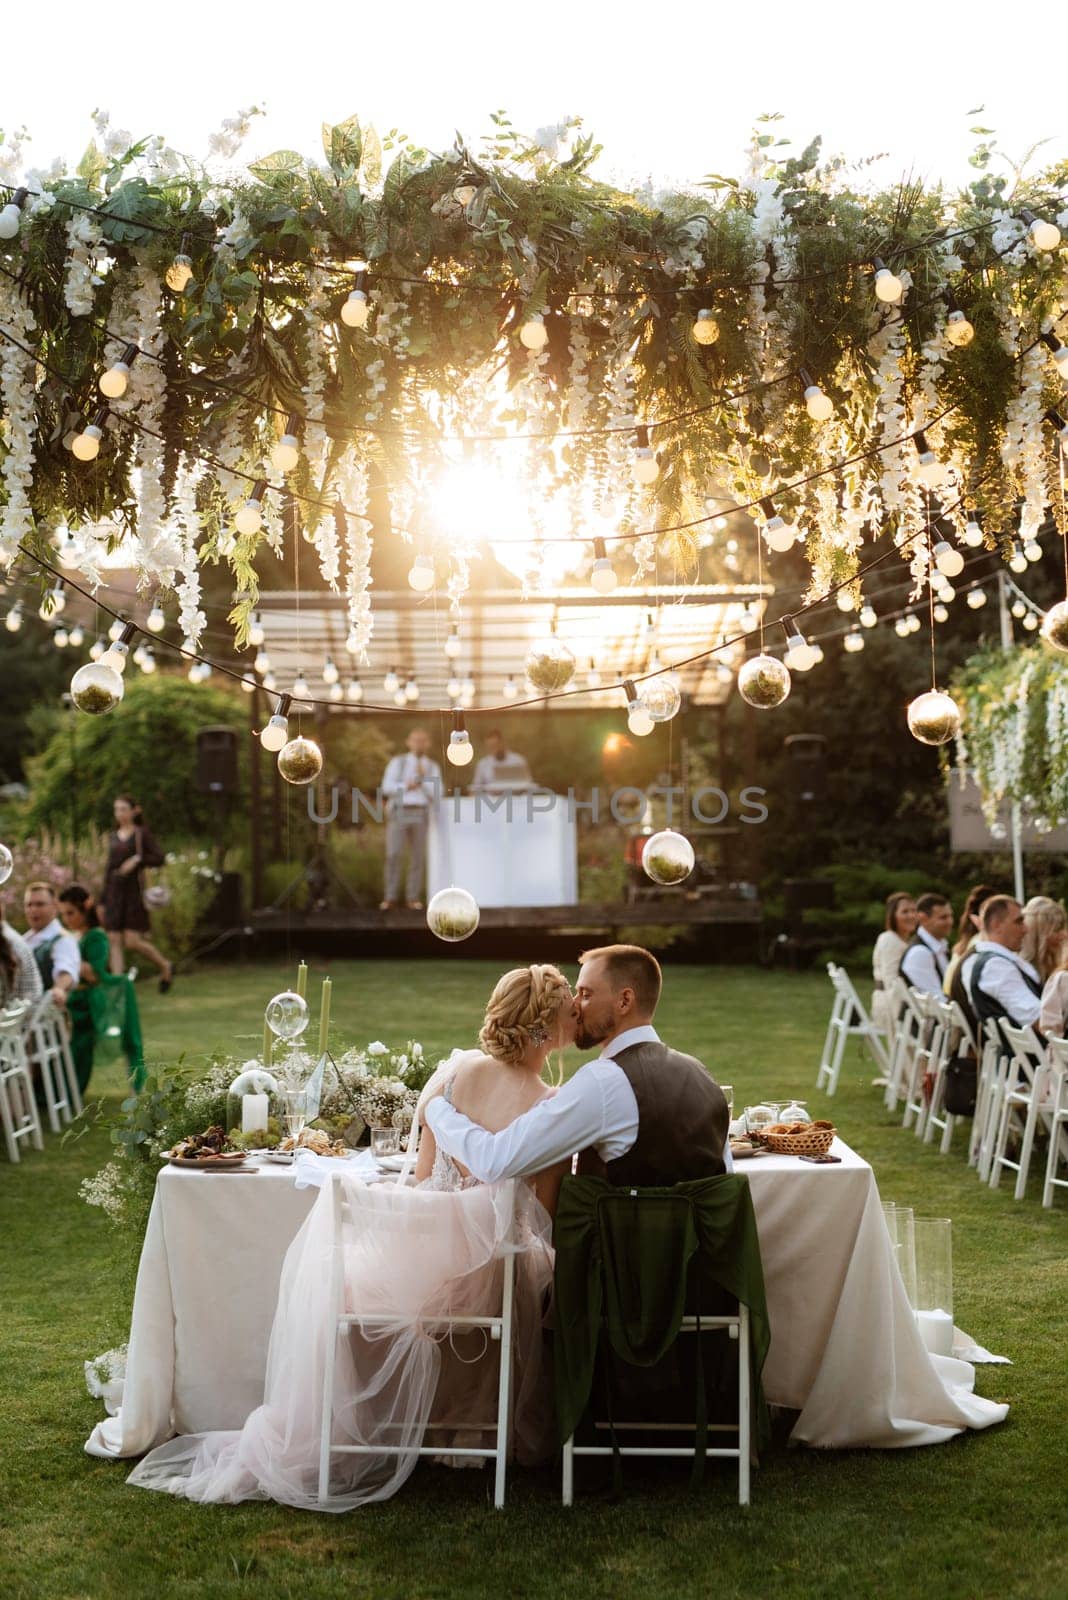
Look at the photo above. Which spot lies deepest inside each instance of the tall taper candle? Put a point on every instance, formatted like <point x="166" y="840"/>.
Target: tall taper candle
<point x="324" y="1016"/>
<point x="266" y="1047"/>
<point x="302" y="979"/>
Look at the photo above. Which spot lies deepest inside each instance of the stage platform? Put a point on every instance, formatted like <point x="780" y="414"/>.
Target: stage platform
<point x="603" y="919"/>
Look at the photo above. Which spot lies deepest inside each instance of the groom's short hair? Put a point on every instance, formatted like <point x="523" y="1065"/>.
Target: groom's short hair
<point x="630" y="967"/>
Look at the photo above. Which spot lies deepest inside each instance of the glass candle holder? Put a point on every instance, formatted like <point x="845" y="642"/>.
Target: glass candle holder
<point x="933" y="1300"/>
<point x="385" y="1141"/>
<point x="900" y="1225"/>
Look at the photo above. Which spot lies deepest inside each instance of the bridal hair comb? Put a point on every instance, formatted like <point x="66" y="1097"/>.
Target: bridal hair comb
<point x="538" y="1035"/>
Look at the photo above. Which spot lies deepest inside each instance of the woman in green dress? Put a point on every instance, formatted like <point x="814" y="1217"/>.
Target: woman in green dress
<point x="102" y="1006"/>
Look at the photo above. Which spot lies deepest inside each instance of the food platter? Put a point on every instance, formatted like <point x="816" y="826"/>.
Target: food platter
<point x="219" y="1162"/>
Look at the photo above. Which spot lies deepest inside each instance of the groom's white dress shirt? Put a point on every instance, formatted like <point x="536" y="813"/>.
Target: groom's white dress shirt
<point x="65" y="954"/>
<point x="594" y="1108"/>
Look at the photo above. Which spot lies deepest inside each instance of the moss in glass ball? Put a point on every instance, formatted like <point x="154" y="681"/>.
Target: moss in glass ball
<point x="96" y="688"/>
<point x="933" y="718"/>
<point x="300" y="761"/>
<point x="452" y="915"/>
<point x="764" y="682"/>
<point x="1055" y="626"/>
<point x="550" y="666"/>
<point x="661" y="698"/>
<point x="667" y="857"/>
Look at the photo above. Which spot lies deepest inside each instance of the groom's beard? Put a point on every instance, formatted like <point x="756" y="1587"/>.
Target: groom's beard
<point x="588" y="1034"/>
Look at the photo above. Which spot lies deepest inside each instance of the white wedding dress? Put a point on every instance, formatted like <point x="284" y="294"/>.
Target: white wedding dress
<point x="410" y="1257"/>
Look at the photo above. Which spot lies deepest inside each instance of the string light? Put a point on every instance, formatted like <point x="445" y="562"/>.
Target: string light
<point x="301" y="691"/>
<point x="959" y="331"/>
<point x="421" y="574"/>
<point x="330" y="672"/>
<point x="77" y="636"/>
<point x="645" y="466"/>
<point x="357" y="308"/>
<point x="115" y="628"/>
<point x="533" y="334"/>
<point x="454" y="688"/>
<point x="868" y="615"/>
<point x="1017" y="561"/>
<point x="1032" y="550"/>
<point x="53" y="602"/>
<point x="96" y="688"/>
<point x="286" y="453"/>
<point x="147" y="662"/>
<point x="270" y="682"/>
<point x="940" y="613"/>
<point x="250" y="517"/>
<point x="248" y="685"/>
<point x="819" y="406"/>
<point x="901" y="627"/>
<point x="1018" y="609"/>
<point x="779" y="535"/>
<point x="976" y="597"/>
<point x="335" y="692"/>
<point x="973" y="532"/>
<point x="453" y="646"/>
<point x="262" y="663"/>
<point x="391" y="682"/>
<point x="913" y="621"/>
<point x="639" y="721"/>
<point x="888" y="287"/>
<point x="399" y="698"/>
<point x="845" y="601"/>
<point x="11" y="214"/>
<point x="1030" y="622"/>
<point x="85" y="446"/>
<point x="950" y="562"/>
<point x="929" y="469"/>
<point x="800" y="655"/>
<point x="114" y="382"/>
<point x="1043" y="235"/>
<point x="179" y="275"/>
<point x="276" y="732"/>
<point x="459" y="751"/>
<point x="60" y="637"/>
<point x="353" y="645"/>
<point x="411" y="691"/>
<point x="156" y="621"/>
<point x="706" y="328"/>
<point x="256" y="631"/>
<point x="96" y="649"/>
<point x="853" y="642"/>
<point x="602" y="574"/>
<point x="510" y="690"/>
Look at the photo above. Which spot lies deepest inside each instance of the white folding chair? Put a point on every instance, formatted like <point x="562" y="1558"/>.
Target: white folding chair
<point x="924" y="1058"/>
<point x="48" y="1048"/>
<point x="957" y="1040"/>
<point x="498" y="1327"/>
<point x="910" y="1029"/>
<point x="1020" y="1098"/>
<point x="1057" y="1106"/>
<point x="18" y="1108"/>
<point x="848" y="1017"/>
<point x="984" y="1123"/>
<point x="737" y="1327"/>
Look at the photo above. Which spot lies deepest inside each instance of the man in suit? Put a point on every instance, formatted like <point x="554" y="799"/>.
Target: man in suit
<point x="641" y="1113"/>
<point x="411" y="783"/>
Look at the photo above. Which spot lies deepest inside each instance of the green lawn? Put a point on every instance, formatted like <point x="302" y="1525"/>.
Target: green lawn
<point x="982" y="1516"/>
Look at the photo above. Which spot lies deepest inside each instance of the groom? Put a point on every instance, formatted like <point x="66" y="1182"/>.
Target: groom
<point x="641" y="1113"/>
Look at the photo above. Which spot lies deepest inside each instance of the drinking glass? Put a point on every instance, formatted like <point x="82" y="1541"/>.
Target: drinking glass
<point x="294" y="1112"/>
<point x="385" y="1141"/>
<point x="728" y="1095"/>
<point x="759" y="1117"/>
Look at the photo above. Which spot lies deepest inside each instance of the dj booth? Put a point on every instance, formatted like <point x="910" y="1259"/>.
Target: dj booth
<point x="510" y="849"/>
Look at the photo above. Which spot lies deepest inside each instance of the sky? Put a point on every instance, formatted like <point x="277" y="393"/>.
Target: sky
<point x="671" y="92"/>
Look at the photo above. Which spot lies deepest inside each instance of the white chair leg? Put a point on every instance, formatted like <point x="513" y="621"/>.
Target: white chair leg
<point x="743" y="1405"/>
<point x="947" y="1134"/>
<point x="568" y="1480"/>
<point x="504" y="1386"/>
<point x="1058" y="1150"/>
<point x="1028" y="1139"/>
<point x="8" y="1122"/>
<point x="1001" y="1140"/>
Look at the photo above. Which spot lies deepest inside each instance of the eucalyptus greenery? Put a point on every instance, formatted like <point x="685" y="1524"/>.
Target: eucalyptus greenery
<point x="461" y="249"/>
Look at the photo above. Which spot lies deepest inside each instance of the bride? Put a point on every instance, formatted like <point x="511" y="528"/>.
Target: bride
<point x="396" y="1260"/>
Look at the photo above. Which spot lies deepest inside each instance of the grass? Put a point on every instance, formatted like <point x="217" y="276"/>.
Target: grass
<point x="981" y="1516"/>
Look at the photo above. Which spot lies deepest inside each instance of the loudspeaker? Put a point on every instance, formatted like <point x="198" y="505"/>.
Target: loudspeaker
<point x="807" y="753"/>
<point x="225" y="908"/>
<point x="216" y="760"/>
<point x="808" y="894"/>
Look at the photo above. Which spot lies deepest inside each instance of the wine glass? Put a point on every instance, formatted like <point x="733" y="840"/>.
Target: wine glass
<point x="294" y="1112"/>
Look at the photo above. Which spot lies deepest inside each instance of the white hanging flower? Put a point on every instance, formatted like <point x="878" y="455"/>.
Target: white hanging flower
<point x="17" y="391"/>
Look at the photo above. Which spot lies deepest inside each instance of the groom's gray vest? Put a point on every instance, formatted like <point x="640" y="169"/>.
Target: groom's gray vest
<point x="682" y="1121"/>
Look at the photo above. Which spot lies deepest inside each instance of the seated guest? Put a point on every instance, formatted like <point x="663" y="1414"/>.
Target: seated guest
<point x="1002" y="985"/>
<point x="54" y="950"/>
<point x="967" y="934"/>
<point x="890" y="946"/>
<point x="1053" y="1016"/>
<point x="924" y="963"/>
<point x="102" y="1005"/>
<point x="19" y="977"/>
<point x="500" y="770"/>
<point x="1045" y="934"/>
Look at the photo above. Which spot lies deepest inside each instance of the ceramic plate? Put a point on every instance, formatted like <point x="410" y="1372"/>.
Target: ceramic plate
<point x="220" y="1163"/>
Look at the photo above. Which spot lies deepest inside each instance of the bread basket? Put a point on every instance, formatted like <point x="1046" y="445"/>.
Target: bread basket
<point x="815" y="1139"/>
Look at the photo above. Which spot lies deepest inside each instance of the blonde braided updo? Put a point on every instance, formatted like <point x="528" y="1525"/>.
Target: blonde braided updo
<point x="523" y="1010"/>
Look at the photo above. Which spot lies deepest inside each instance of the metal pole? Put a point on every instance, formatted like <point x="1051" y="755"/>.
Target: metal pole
<point x="1015" y="820"/>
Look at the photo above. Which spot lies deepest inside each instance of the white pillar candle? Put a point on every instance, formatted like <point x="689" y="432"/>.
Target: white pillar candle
<point x="936" y="1331"/>
<point x="254" y="1113"/>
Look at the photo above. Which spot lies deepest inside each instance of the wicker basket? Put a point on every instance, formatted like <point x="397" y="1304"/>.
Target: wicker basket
<point x="813" y="1142"/>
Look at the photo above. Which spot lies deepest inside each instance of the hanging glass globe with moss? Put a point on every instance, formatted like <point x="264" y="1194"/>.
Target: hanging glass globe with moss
<point x="661" y="697"/>
<point x="7" y="863"/>
<point x="287" y="1014"/>
<point x="300" y="761"/>
<point x="452" y="915"/>
<point x="667" y="857"/>
<point x="550" y="665"/>
<point x="96" y="688"/>
<point x="1055" y="626"/>
<point x="934" y="717"/>
<point x="764" y="682"/>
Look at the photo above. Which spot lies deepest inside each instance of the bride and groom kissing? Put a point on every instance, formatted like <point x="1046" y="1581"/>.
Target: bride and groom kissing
<point x="379" y="1278"/>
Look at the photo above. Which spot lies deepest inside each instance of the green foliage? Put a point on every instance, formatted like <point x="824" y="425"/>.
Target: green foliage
<point x="1015" y="729"/>
<point x="192" y="883"/>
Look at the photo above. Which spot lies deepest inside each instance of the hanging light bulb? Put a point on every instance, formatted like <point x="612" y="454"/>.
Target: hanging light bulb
<point x="602" y="574"/>
<point x="1056" y="421"/>
<point x="959" y="331"/>
<point x="853" y="641"/>
<point x="1017" y="561"/>
<point x="976" y="597"/>
<point x="800" y="656"/>
<point x="1032" y="550"/>
<point x="950" y="562"/>
<point x="973" y="532"/>
<point x="117" y="651"/>
<point x="330" y="672"/>
<point x="411" y="691"/>
<point x="250" y="517"/>
<point x="285" y="455"/>
<point x="929" y="469"/>
<point x="77" y="636"/>
<point x="639" y="721"/>
<point x="399" y="698"/>
<point x="779" y="535"/>
<point x="147" y="662"/>
<point x="868" y="615"/>
<point x="256" y="631"/>
<point x="301" y="691"/>
<point x="85" y="446"/>
<point x="354" y="691"/>
<point x="357" y="308"/>
<point x="276" y="733"/>
<point x="262" y="663"/>
<point x="52" y="602"/>
<point x="510" y="690"/>
<point x="270" y="682"/>
<point x="421" y="574"/>
<point x="901" y="627"/>
<point x="352" y="643"/>
<point x="819" y="406"/>
<point x="60" y="637"/>
<point x="96" y="649"/>
<point x="11" y="214"/>
<point x="593" y="677"/>
<point x="940" y="613"/>
<point x="115" y="629"/>
<point x="662" y="697"/>
<point x="845" y="600"/>
<point x="888" y="287"/>
<point x="705" y="327"/>
<point x="1030" y="622"/>
<point x="248" y="686"/>
<point x="1043" y="235"/>
<point x="533" y="334"/>
<point x="1018" y="609"/>
<point x="459" y="752"/>
<point x="644" y="465"/>
<point x="454" y="688"/>
<point x="114" y="382"/>
<point x="335" y="692"/>
<point x="179" y="275"/>
<point x="914" y="621"/>
<point x="156" y="621"/>
<point x="453" y="646"/>
<point x="391" y="682"/>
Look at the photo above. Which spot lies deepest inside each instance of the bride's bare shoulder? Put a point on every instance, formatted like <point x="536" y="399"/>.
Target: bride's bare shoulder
<point x="475" y="1066"/>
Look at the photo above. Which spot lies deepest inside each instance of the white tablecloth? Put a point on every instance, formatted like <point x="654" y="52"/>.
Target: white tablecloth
<point x="845" y="1352"/>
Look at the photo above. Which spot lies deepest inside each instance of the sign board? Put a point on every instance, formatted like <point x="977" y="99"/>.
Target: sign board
<point x="968" y="829"/>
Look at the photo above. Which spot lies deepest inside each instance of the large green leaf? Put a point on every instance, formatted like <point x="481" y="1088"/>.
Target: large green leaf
<point x="371" y="160"/>
<point x="343" y="145"/>
<point x="281" y="164"/>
